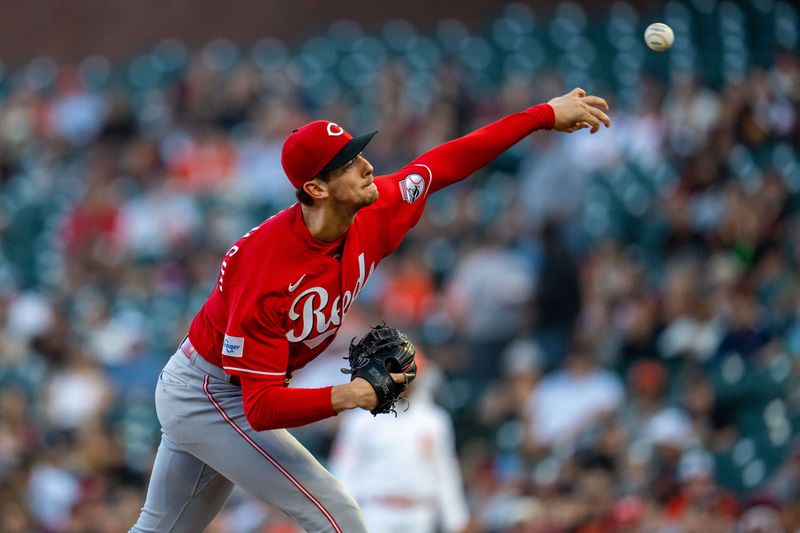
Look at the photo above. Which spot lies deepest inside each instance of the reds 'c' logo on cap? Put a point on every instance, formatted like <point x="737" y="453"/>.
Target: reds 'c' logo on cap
<point x="310" y="149"/>
<point x="334" y="130"/>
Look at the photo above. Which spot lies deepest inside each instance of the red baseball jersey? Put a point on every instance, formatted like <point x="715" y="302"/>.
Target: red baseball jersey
<point x="281" y="294"/>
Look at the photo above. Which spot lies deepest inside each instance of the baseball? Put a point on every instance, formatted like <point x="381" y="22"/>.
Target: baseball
<point x="659" y="37"/>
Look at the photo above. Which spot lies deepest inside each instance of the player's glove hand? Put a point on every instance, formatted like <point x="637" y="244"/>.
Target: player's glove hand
<point x="381" y="352"/>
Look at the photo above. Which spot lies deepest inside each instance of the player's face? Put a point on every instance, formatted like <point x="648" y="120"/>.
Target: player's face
<point x="352" y="184"/>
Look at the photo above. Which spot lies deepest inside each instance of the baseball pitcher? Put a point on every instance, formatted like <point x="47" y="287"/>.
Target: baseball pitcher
<point x="283" y="290"/>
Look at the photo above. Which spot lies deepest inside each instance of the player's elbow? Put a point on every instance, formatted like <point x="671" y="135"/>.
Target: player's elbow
<point x="262" y="419"/>
<point x="257" y="408"/>
<point x="257" y="422"/>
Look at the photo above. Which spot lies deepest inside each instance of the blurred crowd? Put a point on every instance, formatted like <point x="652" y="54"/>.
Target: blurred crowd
<point x="615" y="317"/>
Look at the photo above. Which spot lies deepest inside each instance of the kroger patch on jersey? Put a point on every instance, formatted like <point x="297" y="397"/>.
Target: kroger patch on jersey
<point x="412" y="187"/>
<point x="233" y="346"/>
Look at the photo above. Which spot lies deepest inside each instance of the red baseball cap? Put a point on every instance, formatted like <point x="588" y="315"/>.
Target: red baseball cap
<point x="318" y="147"/>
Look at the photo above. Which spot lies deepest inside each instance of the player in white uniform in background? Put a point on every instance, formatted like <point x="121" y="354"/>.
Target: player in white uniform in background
<point x="403" y="471"/>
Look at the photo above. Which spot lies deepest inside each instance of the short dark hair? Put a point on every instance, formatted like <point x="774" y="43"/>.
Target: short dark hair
<point x="303" y="197"/>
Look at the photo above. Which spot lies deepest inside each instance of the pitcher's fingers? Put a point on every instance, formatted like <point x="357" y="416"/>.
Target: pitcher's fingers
<point x="602" y="117"/>
<point x="577" y="91"/>
<point x="596" y="101"/>
<point x="591" y="121"/>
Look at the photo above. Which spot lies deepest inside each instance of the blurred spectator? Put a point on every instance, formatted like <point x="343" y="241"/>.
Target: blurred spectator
<point x="760" y="519"/>
<point x="694" y="334"/>
<point x="647" y="381"/>
<point x="14" y="515"/>
<point x="594" y="494"/>
<point x="77" y="394"/>
<point x="570" y="402"/>
<point x="746" y="332"/>
<point x="691" y="110"/>
<point x="522" y="364"/>
<point x="53" y="489"/>
<point x="489" y="289"/>
<point x="558" y="296"/>
<point x="701" y="505"/>
<point x="402" y="471"/>
<point x="408" y="294"/>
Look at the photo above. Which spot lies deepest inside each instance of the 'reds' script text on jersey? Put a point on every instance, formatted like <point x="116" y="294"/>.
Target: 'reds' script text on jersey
<point x="281" y="294"/>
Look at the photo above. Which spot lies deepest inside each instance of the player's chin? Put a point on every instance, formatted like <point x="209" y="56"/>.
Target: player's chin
<point x="370" y="195"/>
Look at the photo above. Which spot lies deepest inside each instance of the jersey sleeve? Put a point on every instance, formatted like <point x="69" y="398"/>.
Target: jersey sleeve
<point x="403" y="196"/>
<point x="254" y="343"/>
<point x="459" y="158"/>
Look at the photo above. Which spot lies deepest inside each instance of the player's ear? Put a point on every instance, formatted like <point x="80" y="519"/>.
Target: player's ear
<point x="316" y="189"/>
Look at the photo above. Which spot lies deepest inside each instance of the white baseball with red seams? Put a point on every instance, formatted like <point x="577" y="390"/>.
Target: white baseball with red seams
<point x="659" y="37"/>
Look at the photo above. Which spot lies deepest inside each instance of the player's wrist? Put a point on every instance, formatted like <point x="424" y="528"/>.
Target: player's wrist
<point x="544" y="114"/>
<point x="357" y="393"/>
<point x="340" y="399"/>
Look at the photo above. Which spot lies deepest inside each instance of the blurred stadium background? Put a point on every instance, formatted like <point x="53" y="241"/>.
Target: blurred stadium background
<point x="137" y="142"/>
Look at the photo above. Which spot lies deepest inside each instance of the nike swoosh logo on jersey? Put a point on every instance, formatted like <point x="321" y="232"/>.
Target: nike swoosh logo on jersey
<point x="293" y="286"/>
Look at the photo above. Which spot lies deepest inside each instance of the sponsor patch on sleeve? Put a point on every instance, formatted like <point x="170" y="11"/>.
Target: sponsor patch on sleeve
<point x="412" y="187"/>
<point x="233" y="346"/>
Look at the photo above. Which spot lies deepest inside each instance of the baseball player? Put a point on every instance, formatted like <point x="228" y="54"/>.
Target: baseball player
<point x="424" y="499"/>
<point x="282" y="292"/>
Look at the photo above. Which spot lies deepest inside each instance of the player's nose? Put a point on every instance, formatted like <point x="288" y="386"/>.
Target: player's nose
<point x="367" y="167"/>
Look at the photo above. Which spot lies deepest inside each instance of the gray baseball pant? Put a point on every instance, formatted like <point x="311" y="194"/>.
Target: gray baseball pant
<point x="207" y="446"/>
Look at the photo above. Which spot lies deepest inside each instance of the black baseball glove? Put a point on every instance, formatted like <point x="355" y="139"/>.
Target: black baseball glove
<point x="381" y="352"/>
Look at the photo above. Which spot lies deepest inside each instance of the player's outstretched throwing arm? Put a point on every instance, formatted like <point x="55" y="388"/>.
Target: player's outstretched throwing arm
<point x="457" y="159"/>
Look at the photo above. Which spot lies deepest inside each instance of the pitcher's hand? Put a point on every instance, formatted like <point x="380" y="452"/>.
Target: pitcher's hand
<point x="575" y="111"/>
<point x="358" y="393"/>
